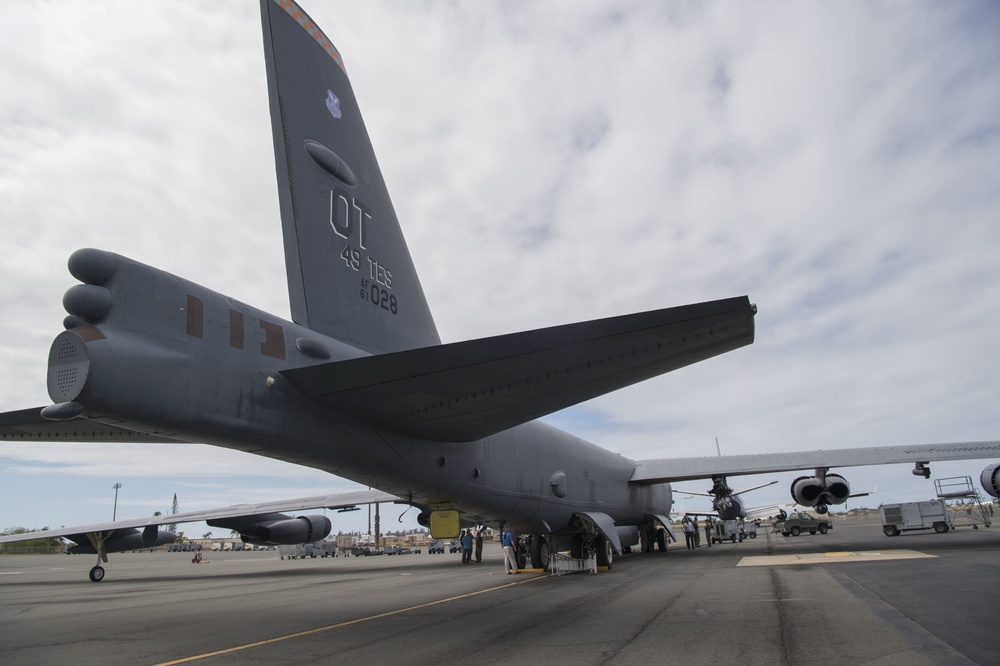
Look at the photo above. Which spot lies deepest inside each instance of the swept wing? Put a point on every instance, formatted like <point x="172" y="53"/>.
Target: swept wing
<point x="681" y="469"/>
<point x="336" y="501"/>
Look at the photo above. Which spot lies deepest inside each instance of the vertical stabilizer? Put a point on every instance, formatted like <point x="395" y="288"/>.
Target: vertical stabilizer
<point x="350" y="275"/>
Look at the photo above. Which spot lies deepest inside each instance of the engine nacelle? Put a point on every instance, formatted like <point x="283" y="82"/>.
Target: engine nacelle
<point x="288" y="531"/>
<point x="812" y="491"/>
<point x="129" y="539"/>
<point x="990" y="479"/>
<point x="806" y="490"/>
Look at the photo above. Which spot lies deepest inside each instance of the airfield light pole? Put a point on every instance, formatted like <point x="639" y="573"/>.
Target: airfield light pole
<point x="114" y="515"/>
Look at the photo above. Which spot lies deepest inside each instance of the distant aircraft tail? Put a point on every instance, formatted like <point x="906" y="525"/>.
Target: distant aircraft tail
<point x="350" y="275"/>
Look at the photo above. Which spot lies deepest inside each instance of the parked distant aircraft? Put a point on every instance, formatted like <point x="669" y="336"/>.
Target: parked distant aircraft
<point x="358" y="384"/>
<point x="726" y="503"/>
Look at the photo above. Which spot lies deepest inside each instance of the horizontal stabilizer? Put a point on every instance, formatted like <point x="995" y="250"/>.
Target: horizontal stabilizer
<point x="28" y="424"/>
<point x="468" y="390"/>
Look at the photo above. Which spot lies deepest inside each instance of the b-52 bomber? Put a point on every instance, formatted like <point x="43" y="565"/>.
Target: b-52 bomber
<point x="357" y="382"/>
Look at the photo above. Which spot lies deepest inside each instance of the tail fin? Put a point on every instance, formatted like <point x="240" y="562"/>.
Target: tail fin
<point x="350" y="275"/>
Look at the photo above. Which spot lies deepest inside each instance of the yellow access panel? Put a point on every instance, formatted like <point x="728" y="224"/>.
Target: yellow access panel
<point x="445" y="524"/>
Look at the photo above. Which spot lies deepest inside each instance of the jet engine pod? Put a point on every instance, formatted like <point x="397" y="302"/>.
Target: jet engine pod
<point x="806" y="490"/>
<point x="150" y="537"/>
<point x="990" y="478"/>
<point x="290" y="531"/>
<point x="837" y="489"/>
<point x="812" y="491"/>
<point x="128" y="539"/>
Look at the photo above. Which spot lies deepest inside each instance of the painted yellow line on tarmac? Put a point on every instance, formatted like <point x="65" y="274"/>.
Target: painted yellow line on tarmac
<point x="309" y="632"/>
<point x="834" y="556"/>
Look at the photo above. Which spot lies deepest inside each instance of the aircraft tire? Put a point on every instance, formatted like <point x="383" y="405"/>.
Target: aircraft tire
<point x="97" y="574"/>
<point x="539" y="552"/>
<point x="605" y="552"/>
<point x="661" y="540"/>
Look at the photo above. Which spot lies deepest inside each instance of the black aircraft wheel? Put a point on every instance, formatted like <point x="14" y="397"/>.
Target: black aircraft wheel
<point x="539" y="552"/>
<point x="605" y="552"/>
<point x="97" y="574"/>
<point x="661" y="540"/>
<point x="795" y="530"/>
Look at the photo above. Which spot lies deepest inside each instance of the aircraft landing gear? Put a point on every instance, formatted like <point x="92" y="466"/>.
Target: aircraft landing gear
<point x="521" y="553"/>
<point x="97" y="573"/>
<point x="605" y="551"/>
<point x="661" y="540"/>
<point x="539" y="552"/>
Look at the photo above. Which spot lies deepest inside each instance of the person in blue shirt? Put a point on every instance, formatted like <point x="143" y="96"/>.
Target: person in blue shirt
<point x="466" y="546"/>
<point x="508" y="541"/>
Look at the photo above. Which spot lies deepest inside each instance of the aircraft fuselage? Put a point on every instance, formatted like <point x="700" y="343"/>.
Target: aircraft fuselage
<point x="175" y="359"/>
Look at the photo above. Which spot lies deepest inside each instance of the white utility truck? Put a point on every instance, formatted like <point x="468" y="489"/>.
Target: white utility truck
<point x="929" y="515"/>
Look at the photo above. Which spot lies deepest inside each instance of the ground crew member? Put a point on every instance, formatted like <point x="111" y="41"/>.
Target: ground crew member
<point x="466" y="546"/>
<point x="507" y="540"/>
<point x="688" y="532"/>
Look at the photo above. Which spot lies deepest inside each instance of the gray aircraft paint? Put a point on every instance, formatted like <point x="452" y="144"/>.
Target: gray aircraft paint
<point x="350" y="275"/>
<point x="438" y="426"/>
<point x="357" y="384"/>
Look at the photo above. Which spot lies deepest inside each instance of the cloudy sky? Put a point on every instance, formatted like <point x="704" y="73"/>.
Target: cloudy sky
<point x="550" y="163"/>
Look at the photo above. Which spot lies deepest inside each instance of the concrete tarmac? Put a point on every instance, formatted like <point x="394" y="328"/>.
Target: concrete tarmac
<point x="840" y="598"/>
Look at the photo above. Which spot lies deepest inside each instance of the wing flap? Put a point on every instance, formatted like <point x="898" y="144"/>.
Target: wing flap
<point x="468" y="390"/>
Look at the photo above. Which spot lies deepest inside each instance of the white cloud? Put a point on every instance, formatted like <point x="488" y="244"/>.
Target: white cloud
<point x="549" y="163"/>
